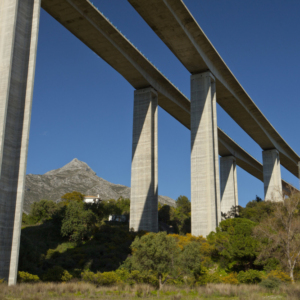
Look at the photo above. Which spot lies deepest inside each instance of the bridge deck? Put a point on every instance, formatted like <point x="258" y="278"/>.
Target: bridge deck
<point x="91" y="27"/>
<point x="175" y="25"/>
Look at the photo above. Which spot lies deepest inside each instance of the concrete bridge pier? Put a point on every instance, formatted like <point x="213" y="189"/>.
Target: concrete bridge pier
<point x="272" y="175"/>
<point x="19" y="23"/>
<point x="144" y="194"/>
<point x="205" y="188"/>
<point x="228" y="178"/>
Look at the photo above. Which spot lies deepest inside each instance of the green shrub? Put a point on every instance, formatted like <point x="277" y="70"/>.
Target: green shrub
<point x="109" y="278"/>
<point x="105" y="278"/>
<point x="235" y="247"/>
<point x="230" y="279"/>
<point x="25" y="219"/>
<point x="270" y="264"/>
<point x="78" y="223"/>
<point x="123" y="274"/>
<point x="250" y="276"/>
<point x="143" y="277"/>
<point x="26" y="277"/>
<point x="66" y="276"/>
<point x="52" y="253"/>
<point x="137" y="277"/>
<point x="274" y="279"/>
<point x="157" y="253"/>
<point x="41" y="210"/>
<point x="2" y="280"/>
<point x="270" y="283"/>
<point x="89" y="276"/>
<point x="57" y="273"/>
<point x="215" y="277"/>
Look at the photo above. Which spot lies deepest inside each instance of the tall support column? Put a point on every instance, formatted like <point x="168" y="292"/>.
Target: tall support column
<point x="19" y="23"/>
<point x="229" y="192"/>
<point x="205" y="188"/>
<point x="272" y="175"/>
<point x="144" y="194"/>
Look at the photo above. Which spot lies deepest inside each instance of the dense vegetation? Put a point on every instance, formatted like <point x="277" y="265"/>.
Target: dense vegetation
<point x="72" y="239"/>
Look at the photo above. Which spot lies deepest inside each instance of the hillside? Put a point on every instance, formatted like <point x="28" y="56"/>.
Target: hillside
<point x="74" y="176"/>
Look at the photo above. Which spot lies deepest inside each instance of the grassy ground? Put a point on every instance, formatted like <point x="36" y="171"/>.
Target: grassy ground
<point x="79" y="290"/>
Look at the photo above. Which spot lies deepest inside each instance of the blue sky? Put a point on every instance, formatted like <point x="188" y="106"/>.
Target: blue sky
<point x="83" y="108"/>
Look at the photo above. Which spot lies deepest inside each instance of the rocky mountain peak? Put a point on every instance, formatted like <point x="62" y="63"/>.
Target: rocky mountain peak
<point x="74" y="176"/>
<point x="74" y="165"/>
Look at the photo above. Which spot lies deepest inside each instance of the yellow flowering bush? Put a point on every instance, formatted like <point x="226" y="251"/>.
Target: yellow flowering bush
<point x="282" y="276"/>
<point x="27" y="277"/>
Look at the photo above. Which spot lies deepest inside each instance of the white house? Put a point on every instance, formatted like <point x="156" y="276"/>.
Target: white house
<point x="92" y="199"/>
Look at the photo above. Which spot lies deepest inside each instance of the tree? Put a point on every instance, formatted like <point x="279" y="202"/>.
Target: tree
<point x="205" y="248"/>
<point x="164" y="214"/>
<point x="111" y="207"/>
<point x="74" y="196"/>
<point x="191" y="260"/>
<point x="155" y="252"/>
<point x="233" y="213"/>
<point x="168" y="256"/>
<point x="280" y="233"/>
<point x="180" y="217"/>
<point x="78" y="223"/>
<point x="184" y="204"/>
<point x="124" y="205"/>
<point x="42" y="210"/>
<point x="234" y="244"/>
<point x="180" y="221"/>
<point x="257" y="210"/>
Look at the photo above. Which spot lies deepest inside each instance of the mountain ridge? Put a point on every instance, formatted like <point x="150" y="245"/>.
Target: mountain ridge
<point x="74" y="176"/>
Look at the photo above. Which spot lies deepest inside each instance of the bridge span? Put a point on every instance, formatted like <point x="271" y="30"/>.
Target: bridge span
<point x="178" y="29"/>
<point x="175" y="25"/>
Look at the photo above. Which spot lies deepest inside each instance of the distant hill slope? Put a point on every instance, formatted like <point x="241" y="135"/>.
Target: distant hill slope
<point x="74" y="176"/>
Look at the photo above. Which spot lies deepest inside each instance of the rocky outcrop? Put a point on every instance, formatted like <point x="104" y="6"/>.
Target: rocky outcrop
<point x="74" y="176"/>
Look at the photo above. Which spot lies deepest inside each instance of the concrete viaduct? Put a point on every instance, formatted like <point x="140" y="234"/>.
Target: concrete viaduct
<point x="211" y="82"/>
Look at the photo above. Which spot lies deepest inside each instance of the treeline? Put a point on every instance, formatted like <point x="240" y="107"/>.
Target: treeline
<point x="71" y="239"/>
<point x="78" y="220"/>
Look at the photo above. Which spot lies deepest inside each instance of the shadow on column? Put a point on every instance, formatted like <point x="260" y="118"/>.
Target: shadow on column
<point x="144" y="203"/>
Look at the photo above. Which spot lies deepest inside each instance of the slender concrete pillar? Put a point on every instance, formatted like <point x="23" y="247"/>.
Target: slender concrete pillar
<point x="229" y="192"/>
<point x="19" y="22"/>
<point x="205" y="188"/>
<point x="144" y="199"/>
<point x="272" y="175"/>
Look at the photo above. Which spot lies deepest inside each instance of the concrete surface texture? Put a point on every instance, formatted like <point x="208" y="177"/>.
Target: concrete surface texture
<point x="228" y="181"/>
<point x="205" y="188"/>
<point x="179" y="30"/>
<point x="144" y="201"/>
<point x="19" y="22"/>
<point x="272" y="175"/>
